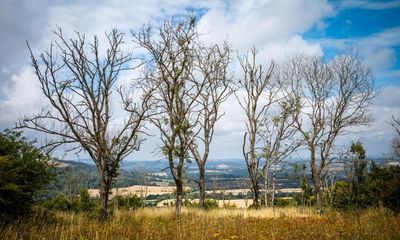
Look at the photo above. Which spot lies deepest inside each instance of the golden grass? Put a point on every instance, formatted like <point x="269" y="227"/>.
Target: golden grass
<point x="138" y="190"/>
<point x="153" y="223"/>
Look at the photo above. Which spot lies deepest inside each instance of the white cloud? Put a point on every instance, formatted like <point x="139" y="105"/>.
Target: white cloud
<point x="377" y="50"/>
<point x="22" y="97"/>
<point x="248" y="23"/>
<point x="274" y="27"/>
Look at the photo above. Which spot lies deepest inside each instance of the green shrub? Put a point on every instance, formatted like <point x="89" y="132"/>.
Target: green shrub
<point x="131" y="202"/>
<point x="84" y="203"/>
<point x="381" y="188"/>
<point x="282" y="202"/>
<point x="81" y="203"/>
<point x="24" y="171"/>
<point x="341" y="195"/>
<point x="384" y="186"/>
<point x="210" y="204"/>
<point x="60" y="202"/>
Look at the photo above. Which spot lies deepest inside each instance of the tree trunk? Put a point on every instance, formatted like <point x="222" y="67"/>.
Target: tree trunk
<point x="104" y="193"/>
<point x="202" y="190"/>
<point x="318" y="195"/>
<point x="266" y="187"/>
<point x="273" y="186"/>
<point x="256" y="196"/>
<point x="179" y="196"/>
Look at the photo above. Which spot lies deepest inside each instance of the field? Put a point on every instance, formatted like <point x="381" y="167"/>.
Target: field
<point x="138" y="190"/>
<point x="156" y="223"/>
<point x="237" y="203"/>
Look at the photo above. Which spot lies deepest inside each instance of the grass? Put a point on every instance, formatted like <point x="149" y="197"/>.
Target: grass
<point x="153" y="223"/>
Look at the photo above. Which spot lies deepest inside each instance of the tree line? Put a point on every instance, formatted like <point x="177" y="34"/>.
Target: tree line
<point x="302" y="102"/>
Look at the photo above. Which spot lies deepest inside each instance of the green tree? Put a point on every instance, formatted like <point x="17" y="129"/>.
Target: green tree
<point x="384" y="186"/>
<point x="24" y="171"/>
<point x="358" y="187"/>
<point x="341" y="195"/>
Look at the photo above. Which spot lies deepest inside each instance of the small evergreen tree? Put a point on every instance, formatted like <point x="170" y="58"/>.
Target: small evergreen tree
<point x="24" y="170"/>
<point x="359" y="194"/>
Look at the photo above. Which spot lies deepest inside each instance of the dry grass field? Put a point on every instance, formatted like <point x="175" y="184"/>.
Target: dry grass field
<point x="143" y="190"/>
<point x="139" y="190"/>
<point x="236" y="203"/>
<point x="156" y="223"/>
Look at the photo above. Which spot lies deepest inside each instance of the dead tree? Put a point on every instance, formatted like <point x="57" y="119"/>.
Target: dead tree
<point x="170" y="70"/>
<point x="79" y="83"/>
<point x="395" y="123"/>
<point x="395" y="144"/>
<point x="334" y="97"/>
<point x="279" y="138"/>
<point x="212" y="63"/>
<point x="255" y="103"/>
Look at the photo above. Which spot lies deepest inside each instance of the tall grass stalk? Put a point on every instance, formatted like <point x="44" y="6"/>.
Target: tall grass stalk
<point x="156" y="223"/>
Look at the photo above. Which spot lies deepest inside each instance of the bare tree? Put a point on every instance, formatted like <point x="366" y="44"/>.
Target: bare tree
<point x="279" y="140"/>
<point x="256" y="84"/>
<point x="212" y="63"/>
<point x="171" y="71"/>
<point x="334" y="96"/>
<point x="395" y="123"/>
<point x="79" y="82"/>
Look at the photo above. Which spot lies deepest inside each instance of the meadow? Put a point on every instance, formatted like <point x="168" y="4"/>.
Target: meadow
<point x="161" y="223"/>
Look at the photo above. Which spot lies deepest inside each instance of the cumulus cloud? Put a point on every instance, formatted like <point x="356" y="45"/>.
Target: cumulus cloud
<point x="19" y="21"/>
<point x="378" y="135"/>
<point x="377" y="50"/>
<point x="257" y="23"/>
<point x="275" y="27"/>
<point x="20" y="98"/>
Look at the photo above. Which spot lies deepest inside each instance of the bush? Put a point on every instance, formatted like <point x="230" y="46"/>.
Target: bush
<point x="282" y="202"/>
<point x="24" y="171"/>
<point x="301" y="199"/>
<point x="381" y="188"/>
<point x="60" y="202"/>
<point x="81" y="203"/>
<point x="384" y="186"/>
<point x="131" y="202"/>
<point x="341" y="195"/>
<point x="85" y="203"/>
<point x="210" y="204"/>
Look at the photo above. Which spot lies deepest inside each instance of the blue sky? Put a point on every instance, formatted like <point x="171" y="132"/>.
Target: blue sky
<point x="358" y="23"/>
<point x="277" y="28"/>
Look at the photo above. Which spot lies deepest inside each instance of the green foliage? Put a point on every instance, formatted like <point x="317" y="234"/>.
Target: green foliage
<point x="358" y="149"/>
<point x="381" y="188"/>
<point x="359" y="164"/>
<point x="384" y="186"/>
<point x="282" y="202"/>
<point x="131" y="202"/>
<point x="85" y="203"/>
<point x="341" y="195"/>
<point x="81" y="203"/>
<point x="210" y="204"/>
<point x="60" y="202"/>
<point x="305" y="198"/>
<point x="24" y="171"/>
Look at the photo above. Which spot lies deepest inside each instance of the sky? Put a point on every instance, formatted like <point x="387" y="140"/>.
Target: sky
<point x="276" y="28"/>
